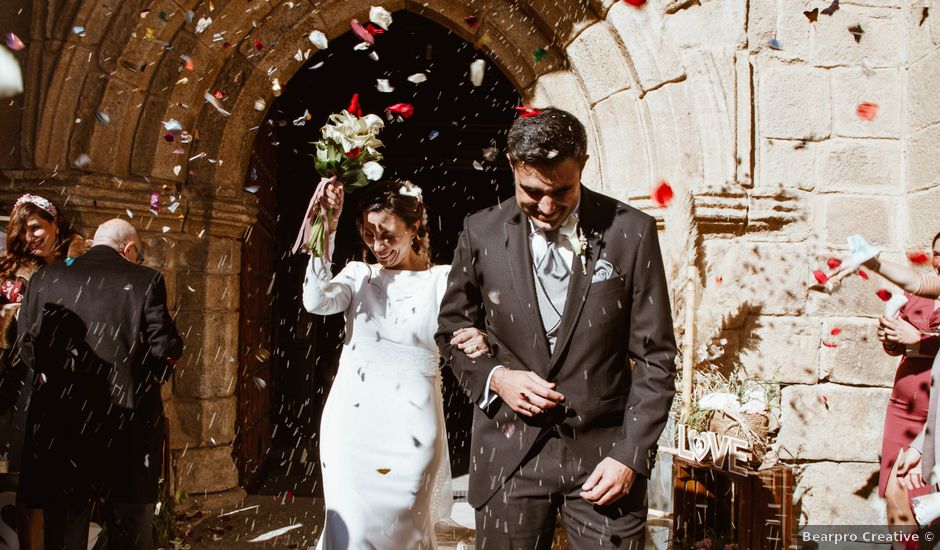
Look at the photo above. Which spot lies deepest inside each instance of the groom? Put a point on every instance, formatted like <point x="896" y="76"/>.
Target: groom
<point x="569" y="286"/>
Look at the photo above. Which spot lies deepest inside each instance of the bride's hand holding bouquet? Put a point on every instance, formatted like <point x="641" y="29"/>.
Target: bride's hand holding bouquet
<point x="347" y="159"/>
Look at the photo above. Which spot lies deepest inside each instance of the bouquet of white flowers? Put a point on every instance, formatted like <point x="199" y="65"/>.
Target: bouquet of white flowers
<point x="347" y="154"/>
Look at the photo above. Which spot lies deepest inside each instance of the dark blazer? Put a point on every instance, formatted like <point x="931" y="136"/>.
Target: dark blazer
<point x="101" y="341"/>
<point x="611" y="409"/>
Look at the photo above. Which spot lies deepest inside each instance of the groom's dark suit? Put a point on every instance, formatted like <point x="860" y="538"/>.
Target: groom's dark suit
<point x="611" y="409"/>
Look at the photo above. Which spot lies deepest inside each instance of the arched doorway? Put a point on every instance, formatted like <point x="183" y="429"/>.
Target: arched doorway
<point x="446" y="147"/>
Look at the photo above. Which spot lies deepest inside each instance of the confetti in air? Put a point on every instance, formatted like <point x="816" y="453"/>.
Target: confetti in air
<point x="662" y="194"/>
<point x="866" y="111"/>
<point x="918" y="257"/>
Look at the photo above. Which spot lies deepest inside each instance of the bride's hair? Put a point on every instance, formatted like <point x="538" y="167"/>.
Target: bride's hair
<point x="387" y="196"/>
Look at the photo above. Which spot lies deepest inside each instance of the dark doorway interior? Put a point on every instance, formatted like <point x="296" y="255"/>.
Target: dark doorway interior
<point x="440" y="148"/>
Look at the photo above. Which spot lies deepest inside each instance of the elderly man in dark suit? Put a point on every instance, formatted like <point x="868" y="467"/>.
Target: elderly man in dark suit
<point x="101" y="341"/>
<point x="570" y="288"/>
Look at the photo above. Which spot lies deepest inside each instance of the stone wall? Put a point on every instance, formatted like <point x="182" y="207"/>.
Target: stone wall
<point x="748" y="107"/>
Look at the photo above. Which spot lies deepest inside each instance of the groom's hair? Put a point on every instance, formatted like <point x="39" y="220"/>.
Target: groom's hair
<point x="548" y="137"/>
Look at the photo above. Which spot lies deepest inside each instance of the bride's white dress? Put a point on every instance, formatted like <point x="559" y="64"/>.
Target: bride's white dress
<point x="383" y="447"/>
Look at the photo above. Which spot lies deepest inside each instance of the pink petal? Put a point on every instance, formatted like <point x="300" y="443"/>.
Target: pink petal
<point x="361" y="31"/>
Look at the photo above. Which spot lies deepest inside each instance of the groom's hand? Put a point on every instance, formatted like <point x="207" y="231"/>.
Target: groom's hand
<point x="609" y="482"/>
<point x="524" y="391"/>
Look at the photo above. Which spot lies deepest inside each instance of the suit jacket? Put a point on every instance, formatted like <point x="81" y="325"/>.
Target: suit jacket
<point x="611" y="408"/>
<point x="100" y="339"/>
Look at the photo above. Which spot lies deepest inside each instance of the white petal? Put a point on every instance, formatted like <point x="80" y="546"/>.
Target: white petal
<point x="203" y="24"/>
<point x="373" y="170"/>
<point x="11" y="76"/>
<point x="476" y="71"/>
<point x="418" y="78"/>
<point x="380" y="16"/>
<point x="382" y="85"/>
<point x="318" y="39"/>
<point x="211" y="100"/>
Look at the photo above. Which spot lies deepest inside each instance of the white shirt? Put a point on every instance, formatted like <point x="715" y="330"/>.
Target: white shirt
<point x="538" y="246"/>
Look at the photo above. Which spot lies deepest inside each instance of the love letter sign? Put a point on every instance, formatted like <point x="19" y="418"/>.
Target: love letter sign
<point x="725" y="452"/>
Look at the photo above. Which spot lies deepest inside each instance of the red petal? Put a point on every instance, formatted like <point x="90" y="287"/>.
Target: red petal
<point x="862" y="274"/>
<point x="471" y="21"/>
<point x="836" y="331"/>
<point x="353" y="153"/>
<point x="354" y="106"/>
<point x="361" y="31"/>
<point x="821" y="277"/>
<point x="883" y="294"/>
<point x="527" y="111"/>
<point x="866" y="111"/>
<point x="833" y="263"/>
<point x="403" y="109"/>
<point x="828" y="344"/>
<point x="373" y="30"/>
<point x="226" y="45"/>
<point x="662" y="194"/>
<point x="258" y="45"/>
<point x="635" y="3"/>
<point x="218" y="94"/>
<point x="918" y="257"/>
<point x="169" y="136"/>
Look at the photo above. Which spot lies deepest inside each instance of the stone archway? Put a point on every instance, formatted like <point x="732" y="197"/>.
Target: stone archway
<point x="613" y="66"/>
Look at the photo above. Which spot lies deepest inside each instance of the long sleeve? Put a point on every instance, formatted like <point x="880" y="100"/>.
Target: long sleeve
<point x="324" y="294"/>
<point x="462" y="306"/>
<point x="164" y="342"/>
<point x="928" y="285"/>
<point x="652" y="346"/>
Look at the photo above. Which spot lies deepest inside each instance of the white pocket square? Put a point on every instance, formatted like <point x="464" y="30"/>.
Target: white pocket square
<point x="603" y="270"/>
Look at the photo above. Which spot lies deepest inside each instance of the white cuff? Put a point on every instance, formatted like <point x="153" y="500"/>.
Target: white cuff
<point x="489" y="397"/>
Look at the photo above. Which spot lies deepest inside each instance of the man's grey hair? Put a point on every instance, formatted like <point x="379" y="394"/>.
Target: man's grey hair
<point x="116" y="233"/>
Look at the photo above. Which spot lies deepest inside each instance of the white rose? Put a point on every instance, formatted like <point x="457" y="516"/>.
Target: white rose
<point x="373" y="170"/>
<point x="374" y="123"/>
<point x="380" y="16"/>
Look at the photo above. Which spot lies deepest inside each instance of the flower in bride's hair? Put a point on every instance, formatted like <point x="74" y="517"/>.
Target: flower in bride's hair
<point x="409" y="189"/>
<point x="373" y="170"/>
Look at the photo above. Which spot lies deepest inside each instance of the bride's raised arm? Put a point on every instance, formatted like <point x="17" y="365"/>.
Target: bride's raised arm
<point x="324" y="294"/>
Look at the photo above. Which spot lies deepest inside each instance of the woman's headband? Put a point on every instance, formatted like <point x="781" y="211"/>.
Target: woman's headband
<point x="36" y="200"/>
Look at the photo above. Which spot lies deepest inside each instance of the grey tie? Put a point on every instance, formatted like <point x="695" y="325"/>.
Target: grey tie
<point x="552" y="275"/>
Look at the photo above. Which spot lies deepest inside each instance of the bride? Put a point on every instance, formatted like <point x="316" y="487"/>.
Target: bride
<point x="386" y="479"/>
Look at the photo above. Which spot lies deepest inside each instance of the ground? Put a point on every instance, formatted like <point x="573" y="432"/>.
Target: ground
<point x="234" y="531"/>
<point x="267" y="513"/>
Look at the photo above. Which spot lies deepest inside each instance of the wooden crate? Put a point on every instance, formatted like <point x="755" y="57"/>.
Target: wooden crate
<point x="754" y="511"/>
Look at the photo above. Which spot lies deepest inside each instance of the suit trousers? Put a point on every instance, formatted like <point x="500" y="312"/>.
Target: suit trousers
<point x="521" y="515"/>
<point x="130" y="526"/>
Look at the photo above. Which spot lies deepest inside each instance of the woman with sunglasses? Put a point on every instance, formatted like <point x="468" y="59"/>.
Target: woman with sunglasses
<point x="38" y="234"/>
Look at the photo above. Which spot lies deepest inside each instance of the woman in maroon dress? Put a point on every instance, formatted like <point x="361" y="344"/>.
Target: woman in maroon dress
<point x="910" y="396"/>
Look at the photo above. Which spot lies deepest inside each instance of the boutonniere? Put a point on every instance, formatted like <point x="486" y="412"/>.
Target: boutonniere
<point x="580" y="246"/>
